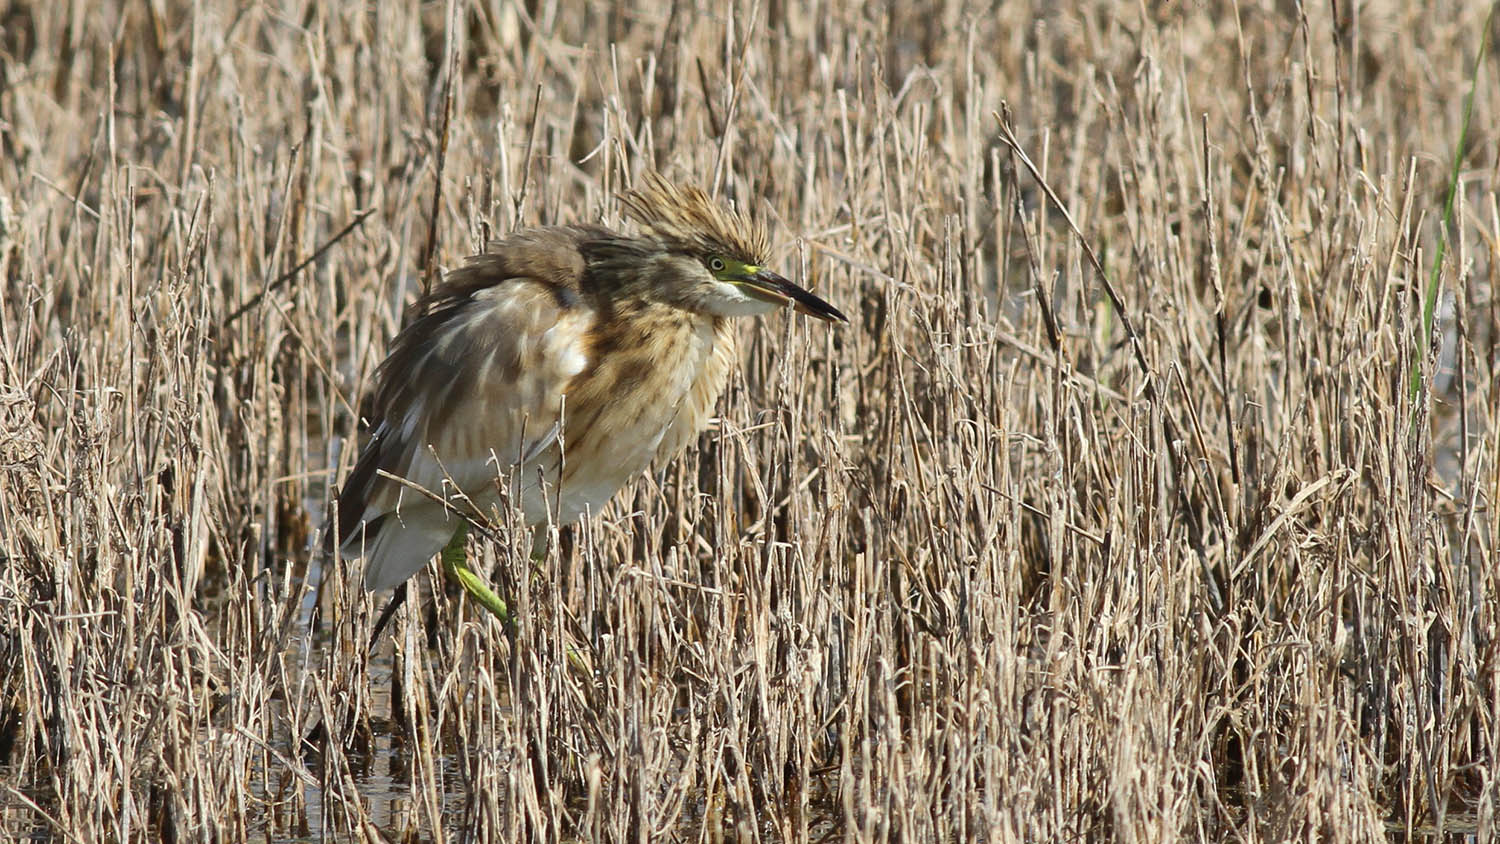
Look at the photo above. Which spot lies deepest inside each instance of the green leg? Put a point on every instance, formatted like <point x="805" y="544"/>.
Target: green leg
<point x="455" y="565"/>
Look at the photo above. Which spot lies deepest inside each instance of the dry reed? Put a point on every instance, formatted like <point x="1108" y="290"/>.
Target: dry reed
<point x="1008" y="558"/>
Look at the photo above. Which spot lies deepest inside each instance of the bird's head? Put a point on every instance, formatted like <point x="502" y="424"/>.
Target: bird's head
<point x="711" y="258"/>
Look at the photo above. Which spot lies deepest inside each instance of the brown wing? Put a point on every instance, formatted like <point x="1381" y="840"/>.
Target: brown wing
<point x="471" y="388"/>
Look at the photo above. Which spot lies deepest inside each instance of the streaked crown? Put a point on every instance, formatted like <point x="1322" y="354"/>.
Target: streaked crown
<point x="687" y="220"/>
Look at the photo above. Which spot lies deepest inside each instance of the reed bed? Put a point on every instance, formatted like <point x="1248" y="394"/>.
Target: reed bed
<point x="1139" y="501"/>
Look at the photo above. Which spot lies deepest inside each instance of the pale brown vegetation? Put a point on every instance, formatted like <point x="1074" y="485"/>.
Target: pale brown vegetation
<point x="982" y="565"/>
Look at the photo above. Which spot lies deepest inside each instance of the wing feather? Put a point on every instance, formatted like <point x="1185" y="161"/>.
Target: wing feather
<point x="471" y="388"/>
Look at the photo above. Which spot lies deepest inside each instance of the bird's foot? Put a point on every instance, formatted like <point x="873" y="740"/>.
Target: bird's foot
<point x="456" y="566"/>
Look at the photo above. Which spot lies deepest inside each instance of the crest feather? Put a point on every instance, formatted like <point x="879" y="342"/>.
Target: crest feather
<point x="685" y="217"/>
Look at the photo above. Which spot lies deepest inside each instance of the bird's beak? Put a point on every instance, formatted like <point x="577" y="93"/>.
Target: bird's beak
<point x="770" y="287"/>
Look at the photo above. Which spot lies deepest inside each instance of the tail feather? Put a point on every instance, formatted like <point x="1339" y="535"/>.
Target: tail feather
<point x="396" y="546"/>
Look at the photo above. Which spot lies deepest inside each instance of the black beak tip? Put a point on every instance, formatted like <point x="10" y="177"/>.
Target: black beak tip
<point x="805" y="302"/>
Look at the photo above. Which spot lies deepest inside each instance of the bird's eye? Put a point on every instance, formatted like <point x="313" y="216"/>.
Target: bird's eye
<point x="716" y="265"/>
